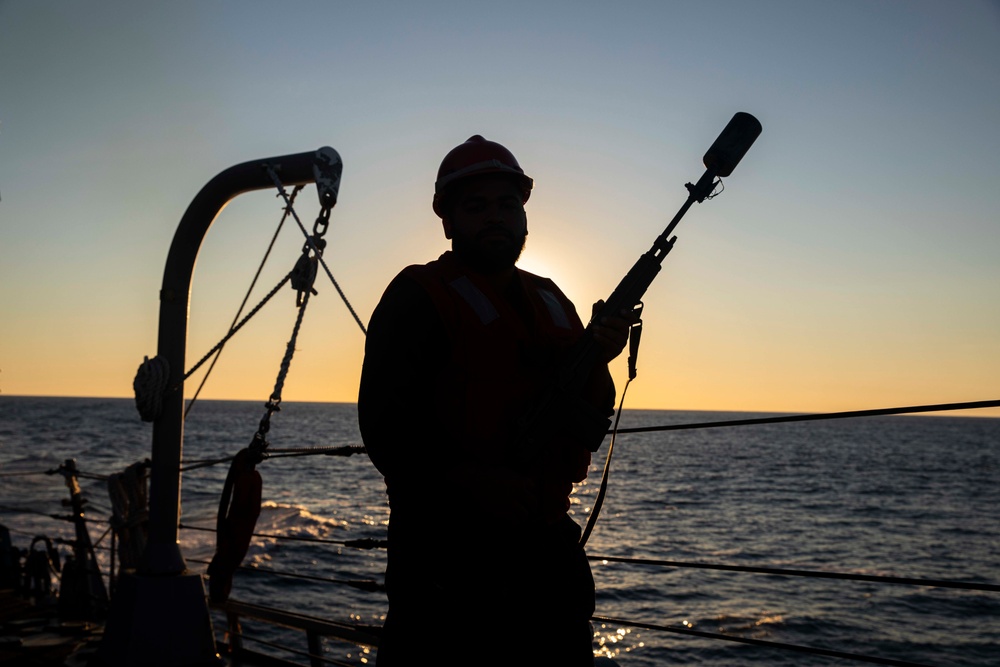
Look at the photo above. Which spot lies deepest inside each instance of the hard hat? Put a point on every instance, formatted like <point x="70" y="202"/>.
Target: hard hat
<point x="476" y="157"/>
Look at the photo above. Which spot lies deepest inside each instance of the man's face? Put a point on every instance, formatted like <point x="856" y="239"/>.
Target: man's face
<point x="487" y="224"/>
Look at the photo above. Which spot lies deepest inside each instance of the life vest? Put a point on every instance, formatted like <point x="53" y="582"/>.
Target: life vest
<point x="503" y="351"/>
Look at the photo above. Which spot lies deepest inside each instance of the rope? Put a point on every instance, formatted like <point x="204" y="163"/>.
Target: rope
<point x="340" y="450"/>
<point x="206" y="463"/>
<point x="363" y="543"/>
<point x="941" y="407"/>
<point x="100" y="539"/>
<point x="150" y="384"/>
<point x="246" y="298"/>
<point x="343" y="296"/>
<point x="26" y="533"/>
<point x="815" y="574"/>
<point x="78" y="473"/>
<point x="599" y="502"/>
<point x="759" y="642"/>
<point x="152" y="378"/>
<point x="286" y="361"/>
<point x="258" y="444"/>
<point x="370" y="543"/>
<point x="233" y="331"/>
<point x="317" y="251"/>
<point x="345" y="450"/>
<point x="362" y="584"/>
<point x="27" y="510"/>
<point x="634" y="336"/>
<point x="304" y="654"/>
<point x="90" y="475"/>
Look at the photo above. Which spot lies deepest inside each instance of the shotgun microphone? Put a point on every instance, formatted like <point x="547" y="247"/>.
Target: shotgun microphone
<point x="561" y="404"/>
<point x="733" y="143"/>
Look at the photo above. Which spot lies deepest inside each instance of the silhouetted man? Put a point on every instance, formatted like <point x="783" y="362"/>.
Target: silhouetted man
<point x="480" y="543"/>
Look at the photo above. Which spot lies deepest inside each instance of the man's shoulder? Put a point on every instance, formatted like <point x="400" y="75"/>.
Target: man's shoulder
<point x="404" y="301"/>
<point x="418" y="286"/>
<point x="417" y="270"/>
<point x="444" y="268"/>
<point x="539" y="282"/>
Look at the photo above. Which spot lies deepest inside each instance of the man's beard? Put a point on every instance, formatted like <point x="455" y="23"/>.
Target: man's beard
<point x="489" y="257"/>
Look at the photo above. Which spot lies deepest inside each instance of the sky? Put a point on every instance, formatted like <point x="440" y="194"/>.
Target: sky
<point x="852" y="261"/>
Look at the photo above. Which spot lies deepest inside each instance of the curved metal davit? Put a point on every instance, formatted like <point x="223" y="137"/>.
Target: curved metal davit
<point x="159" y="614"/>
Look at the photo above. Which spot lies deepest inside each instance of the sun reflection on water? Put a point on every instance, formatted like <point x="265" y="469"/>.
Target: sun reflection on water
<point x="612" y="642"/>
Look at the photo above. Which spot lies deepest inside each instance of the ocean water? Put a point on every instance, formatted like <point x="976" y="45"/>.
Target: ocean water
<point x="914" y="497"/>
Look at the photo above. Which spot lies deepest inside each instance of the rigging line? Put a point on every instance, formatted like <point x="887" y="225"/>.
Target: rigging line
<point x="97" y="544"/>
<point x="599" y="502"/>
<point x="98" y="508"/>
<point x="363" y="584"/>
<point x="368" y="543"/>
<point x="360" y="543"/>
<point x="318" y="253"/>
<point x="26" y="533"/>
<point x="194" y="465"/>
<point x="345" y="450"/>
<point x="286" y="361"/>
<point x="246" y="298"/>
<point x="816" y="574"/>
<point x="74" y="517"/>
<point x="23" y="510"/>
<point x="304" y="654"/>
<point x="79" y="474"/>
<point x="810" y="417"/>
<point x="239" y="326"/>
<point x="21" y="474"/>
<point x="325" y="451"/>
<point x="343" y="296"/>
<point x="90" y="475"/>
<point x="759" y="642"/>
<point x="335" y="449"/>
<point x="634" y="333"/>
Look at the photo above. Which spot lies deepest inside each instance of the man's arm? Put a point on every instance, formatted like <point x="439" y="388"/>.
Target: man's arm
<point x="405" y="345"/>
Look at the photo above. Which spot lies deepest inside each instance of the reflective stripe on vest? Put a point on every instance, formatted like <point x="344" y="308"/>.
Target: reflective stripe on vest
<point x="480" y="302"/>
<point x="556" y="310"/>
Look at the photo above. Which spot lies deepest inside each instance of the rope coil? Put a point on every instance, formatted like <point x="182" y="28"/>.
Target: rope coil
<point x="150" y="384"/>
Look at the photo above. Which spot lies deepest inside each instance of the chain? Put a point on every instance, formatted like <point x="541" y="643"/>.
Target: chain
<point x="327" y="201"/>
